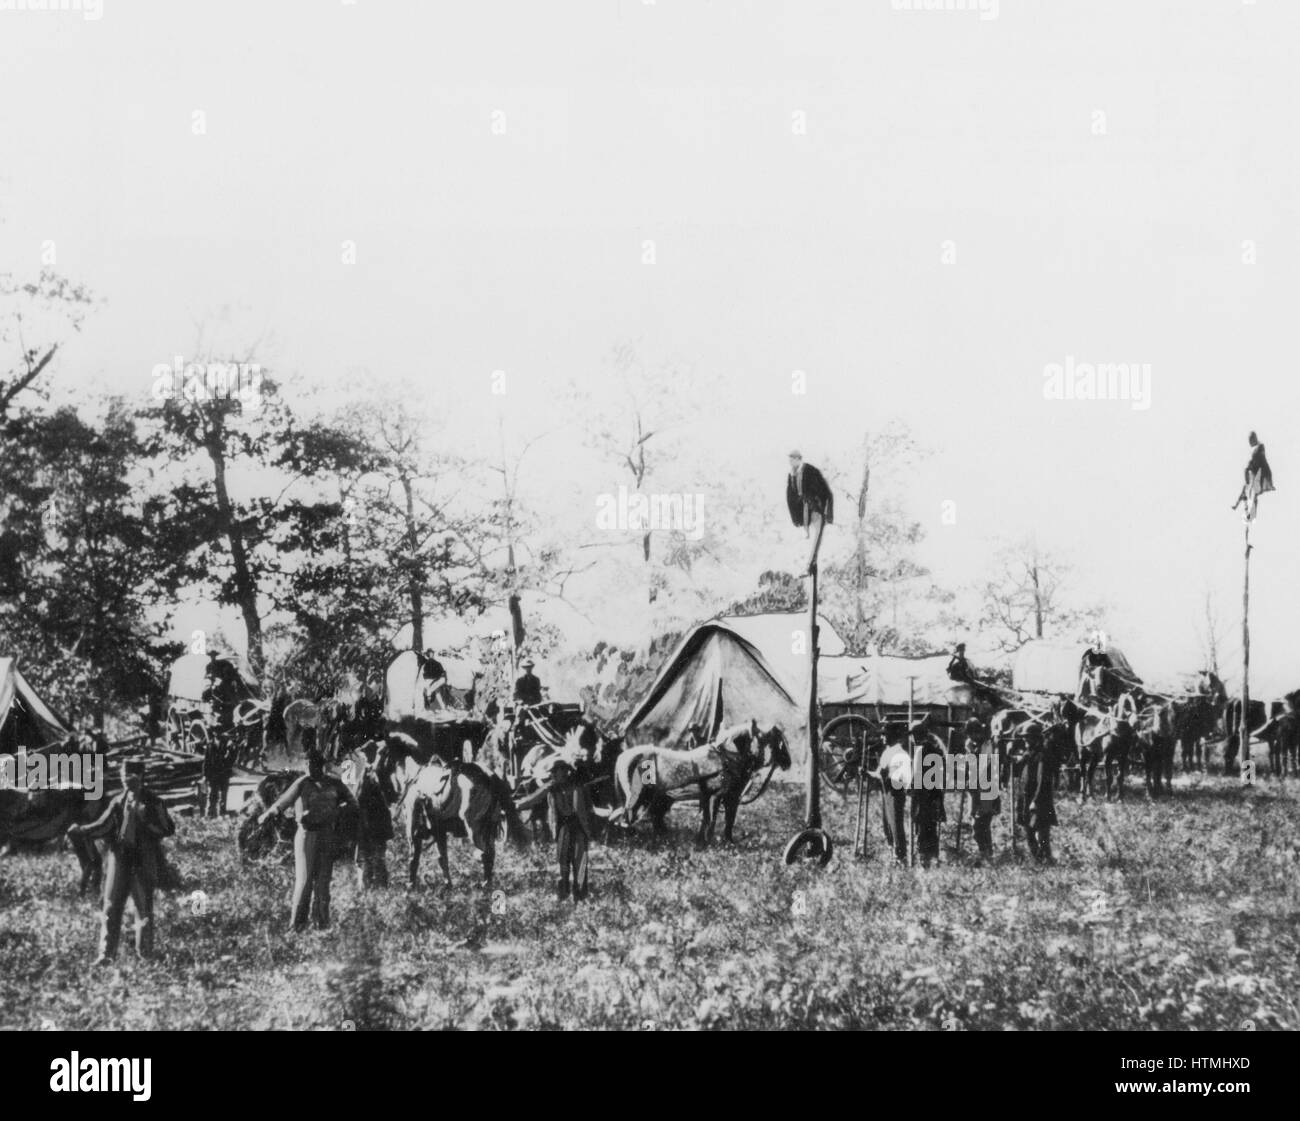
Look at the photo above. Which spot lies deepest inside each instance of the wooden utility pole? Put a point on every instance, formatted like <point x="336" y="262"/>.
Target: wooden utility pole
<point x="1243" y="729"/>
<point x="813" y="808"/>
<point x="812" y="843"/>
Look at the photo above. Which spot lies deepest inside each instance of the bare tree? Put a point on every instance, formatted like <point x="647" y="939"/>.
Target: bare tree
<point x="1027" y="597"/>
<point x="1210" y="632"/>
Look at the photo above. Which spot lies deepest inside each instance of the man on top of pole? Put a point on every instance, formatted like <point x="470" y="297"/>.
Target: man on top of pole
<point x="1258" y="478"/>
<point x="811" y="503"/>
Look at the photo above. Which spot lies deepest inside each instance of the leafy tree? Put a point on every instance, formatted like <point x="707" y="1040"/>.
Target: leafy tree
<point x="220" y="525"/>
<point x="76" y="598"/>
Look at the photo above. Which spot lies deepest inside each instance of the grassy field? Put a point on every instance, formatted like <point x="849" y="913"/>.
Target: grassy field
<point x="1184" y="914"/>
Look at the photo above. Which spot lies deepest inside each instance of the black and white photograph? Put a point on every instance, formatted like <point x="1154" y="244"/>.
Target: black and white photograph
<point x="650" y="515"/>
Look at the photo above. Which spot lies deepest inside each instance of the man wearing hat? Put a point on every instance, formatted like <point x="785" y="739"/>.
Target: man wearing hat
<point x="528" y="689"/>
<point x="133" y="825"/>
<point x="811" y="503"/>
<point x="927" y="799"/>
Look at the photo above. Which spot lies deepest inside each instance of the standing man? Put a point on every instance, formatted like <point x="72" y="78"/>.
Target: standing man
<point x="528" y="689"/>
<point x="985" y="805"/>
<point x="927" y="799"/>
<point x="568" y="807"/>
<point x="316" y="798"/>
<point x="375" y="827"/>
<point x="134" y="825"/>
<point x="1037" y="808"/>
<point x="218" y="766"/>
<point x="895" y="771"/>
<point x="811" y="503"/>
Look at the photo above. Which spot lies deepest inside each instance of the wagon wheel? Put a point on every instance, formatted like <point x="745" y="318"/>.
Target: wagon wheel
<point x="174" y="730"/>
<point x="197" y="737"/>
<point x="848" y="744"/>
<point x="811" y="846"/>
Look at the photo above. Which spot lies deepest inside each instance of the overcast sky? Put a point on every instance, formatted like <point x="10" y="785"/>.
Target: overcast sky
<point x="1097" y="168"/>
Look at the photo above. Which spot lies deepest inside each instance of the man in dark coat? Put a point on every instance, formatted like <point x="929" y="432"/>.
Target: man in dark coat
<point x="927" y="798"/>
<point x="133" y="825"/>
<point x="218" y="767"/>
<point x="985" y="805"/>
<point x="1036" y="809"/>
<point x="528" y="689"/>
<point x="1259" y="477"/>
<point x="811" y="503"/>
<point x="959" y="670"/>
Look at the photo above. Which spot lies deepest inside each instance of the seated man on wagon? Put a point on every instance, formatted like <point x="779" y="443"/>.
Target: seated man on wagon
<point x="434" y="677"/>
<point x="528" y="688"/>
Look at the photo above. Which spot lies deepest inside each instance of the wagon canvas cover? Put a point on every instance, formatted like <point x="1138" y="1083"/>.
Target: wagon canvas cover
<point x="1048" y="666"/>
<point x="879" y="680"/>
<point x="188" y="676"/>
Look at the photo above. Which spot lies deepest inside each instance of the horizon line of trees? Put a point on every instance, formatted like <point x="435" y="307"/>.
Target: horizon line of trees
<point x="328" y="535"/>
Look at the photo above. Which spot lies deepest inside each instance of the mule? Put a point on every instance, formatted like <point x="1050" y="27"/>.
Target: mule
<point x="716" y="774"/>
<point x="439" y="799"/>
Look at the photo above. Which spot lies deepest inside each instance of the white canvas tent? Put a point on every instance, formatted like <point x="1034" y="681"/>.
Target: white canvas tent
<point x="25" y="719"/>
<point x="730" y="670"/>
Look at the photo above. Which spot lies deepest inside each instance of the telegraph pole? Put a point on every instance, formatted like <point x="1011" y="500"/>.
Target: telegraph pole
<point x="1243" y="729"/>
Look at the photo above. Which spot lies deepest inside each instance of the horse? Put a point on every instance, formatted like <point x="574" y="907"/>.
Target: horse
<point x="1195" y="720"/>
<point x="716" y="773"/>
<point x="1155" y="734"/>
<point x="1103" y="737"/>
<point x="588" y="740"/>
<point x="439" y="799"/>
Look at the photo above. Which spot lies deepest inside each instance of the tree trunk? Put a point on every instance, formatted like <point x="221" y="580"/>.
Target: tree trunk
<point x="416" y="588"/>
<point x="245" y="585"/>
<point x="1038" y="600"/>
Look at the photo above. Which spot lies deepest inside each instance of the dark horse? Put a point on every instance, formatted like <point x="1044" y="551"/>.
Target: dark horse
<point x="1196" y="719"/>
<point x="441" y="799"/>
<point x="1104" y="737"/>
<point x="716" y="774"/>
<point x="1155" y="734"/>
